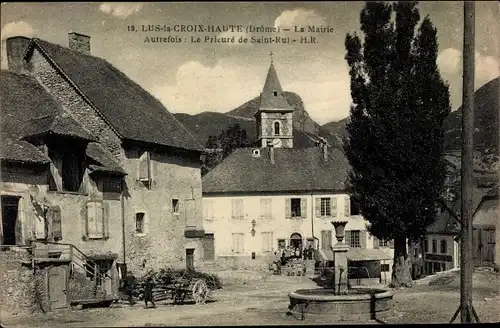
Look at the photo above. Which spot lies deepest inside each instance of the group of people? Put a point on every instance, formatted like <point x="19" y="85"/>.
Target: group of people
<point x="129" y="285"/>
<point x="295" y="252"/>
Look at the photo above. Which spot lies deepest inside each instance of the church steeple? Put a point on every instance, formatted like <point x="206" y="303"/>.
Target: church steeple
<point x="274" y="116"/>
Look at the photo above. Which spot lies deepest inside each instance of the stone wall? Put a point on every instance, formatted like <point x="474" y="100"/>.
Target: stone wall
<point x="174" y="176"/>
<point x="260" y="263"/>
<point x="17" y="283"/>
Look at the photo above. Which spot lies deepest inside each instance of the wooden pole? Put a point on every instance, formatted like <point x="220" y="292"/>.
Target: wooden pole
<point x="466" y="265"/>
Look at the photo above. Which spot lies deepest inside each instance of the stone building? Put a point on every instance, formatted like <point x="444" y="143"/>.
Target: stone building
<point x="94" y="169"/>
<point x="261" y="199"/>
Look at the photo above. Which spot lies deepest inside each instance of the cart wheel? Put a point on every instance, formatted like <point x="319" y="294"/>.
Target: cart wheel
<point x="200" y="291"/>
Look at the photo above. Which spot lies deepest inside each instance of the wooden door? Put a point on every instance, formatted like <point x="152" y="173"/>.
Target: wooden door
<point x="483" y="243"/>
<point x="209" y="247"/>
<point x="190" y="258"/>
<point x="58" y="282"/>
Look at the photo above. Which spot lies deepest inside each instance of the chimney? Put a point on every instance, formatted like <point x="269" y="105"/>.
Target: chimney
<point x="79" y="42"/>
<point x="16" y="47"/>
<point x="271" y="151"/>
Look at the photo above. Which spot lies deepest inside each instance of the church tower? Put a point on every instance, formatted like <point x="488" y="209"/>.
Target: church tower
<point x="275" y="115"/>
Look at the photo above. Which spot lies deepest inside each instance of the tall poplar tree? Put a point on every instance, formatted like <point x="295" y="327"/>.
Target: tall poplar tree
<point x="395" y="134"/>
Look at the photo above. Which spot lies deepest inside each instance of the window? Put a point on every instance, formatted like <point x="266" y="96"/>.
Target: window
<point x="238" y="246"/>
<point x="67" y="168"/>
<point x="275" y="93"/>
<point x="383" y="243"/>
<point x="276" y="128"/>
<point x="325" y="207"/>
<point x="95" y="220"/>
<point x="352" y="238"/>
<point x="140" y="223"/>
<point x="384" y="267"/>
<point x="347" y="206"/>
<point x="266" y="208"/>
<point x="267" y="241"/>
<point x="237" y="209"/>
<point x="145" y="168"/>
<point x="426" y="246"/>
<point x="434" y="246"/>
<point x="208" y="209"/>
<point x="175" y="205"/>
<point x="326" y="239"/>
<point x="295" y="207"/>
<point x="443" y="246"/>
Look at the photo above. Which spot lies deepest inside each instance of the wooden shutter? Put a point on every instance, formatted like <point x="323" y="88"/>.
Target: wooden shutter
<point x="347" y="206"/>
<point x="333" y="206"/>
<point x="375" y="242"/>
<point x="303" y="208"/>
<point x="95" y="224"/>
<point x="56" y="222"/>
<point x="329" y="240"/>
<point x="362" y="238"/>
<point x="234" y="210"/>
<point x="317" y="205"/>
<point x="288" y="208"/>
<point x="105" y="223"/>
<point x="144" y="166"/>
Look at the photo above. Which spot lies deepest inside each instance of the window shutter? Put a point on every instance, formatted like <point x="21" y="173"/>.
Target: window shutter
<point x="347" y="206"/>
<point x="56" y="222"/>
<point x="333" y="206"/>
<point x="318" y="207"/>
<point x="375" y="242"/>
<point x="144" y="170"/>
<point x="95" y="224"/>
<point x="303" y="208"/>
<point x="288" y="208"/>
<point x="234" y="211"/>
<point x="105" y="224"/>
<point x="329" y="238"/>
<point x="362" y="238"/>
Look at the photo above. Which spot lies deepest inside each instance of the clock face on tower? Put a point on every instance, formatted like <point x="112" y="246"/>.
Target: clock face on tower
<point x="277" y="143"/>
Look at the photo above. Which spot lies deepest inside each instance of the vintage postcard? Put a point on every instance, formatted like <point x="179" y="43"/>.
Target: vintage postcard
<point x="249" y="163"/>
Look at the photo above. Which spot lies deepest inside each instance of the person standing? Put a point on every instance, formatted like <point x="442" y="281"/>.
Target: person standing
<point x="148" y="292"/>
<point x="129" y="286"/>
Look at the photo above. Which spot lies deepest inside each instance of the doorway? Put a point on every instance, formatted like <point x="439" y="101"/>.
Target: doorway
<point x="296" y="242"/>
<point x="58" y="282"/>
<point x="190" y="258"/>
<point x="11" y="227"/>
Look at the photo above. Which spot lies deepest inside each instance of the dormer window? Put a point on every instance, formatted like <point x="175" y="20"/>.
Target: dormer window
<point x="275" y="93"/>
<point x="276" y="128"/>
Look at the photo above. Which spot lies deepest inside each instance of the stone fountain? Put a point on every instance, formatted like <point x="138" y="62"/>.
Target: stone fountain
<point x="340" y="302"/>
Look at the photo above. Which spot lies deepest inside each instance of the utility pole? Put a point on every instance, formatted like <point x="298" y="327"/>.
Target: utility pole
<point x="466" y="266"/>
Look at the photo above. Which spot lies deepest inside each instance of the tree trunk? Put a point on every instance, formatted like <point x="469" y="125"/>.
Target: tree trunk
<point x="401" y="276"/>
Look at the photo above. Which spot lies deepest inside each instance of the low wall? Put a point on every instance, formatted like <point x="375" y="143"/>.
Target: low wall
<point x="260" y="263"/>
<point x="17" y="282"/>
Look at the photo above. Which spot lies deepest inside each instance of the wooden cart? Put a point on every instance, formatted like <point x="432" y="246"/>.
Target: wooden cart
<point x="182" y="289"/>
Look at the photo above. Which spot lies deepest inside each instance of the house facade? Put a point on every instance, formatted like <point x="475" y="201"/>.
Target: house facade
<point x="260" y="200"/>
<point x="94" y="169"/>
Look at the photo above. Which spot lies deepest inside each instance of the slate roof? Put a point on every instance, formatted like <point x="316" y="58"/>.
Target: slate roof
<point x="21" y="151"/>
<point x="105" y="159"/>
<point x="295" y="169"/>
<point x="267" y="98"/>
<point x="129" y="109"/>
<point x="27" y="110"/>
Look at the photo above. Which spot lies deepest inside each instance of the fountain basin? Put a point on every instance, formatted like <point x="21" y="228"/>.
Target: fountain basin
<point x="361" y="303"/>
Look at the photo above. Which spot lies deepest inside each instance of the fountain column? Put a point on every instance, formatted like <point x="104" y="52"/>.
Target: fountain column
<point x="340" y="257"/>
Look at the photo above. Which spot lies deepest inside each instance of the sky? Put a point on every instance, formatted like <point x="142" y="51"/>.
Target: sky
<point x="196" y="77"/>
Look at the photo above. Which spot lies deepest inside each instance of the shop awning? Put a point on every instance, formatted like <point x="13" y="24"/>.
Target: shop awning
<point x="364" y="254"/>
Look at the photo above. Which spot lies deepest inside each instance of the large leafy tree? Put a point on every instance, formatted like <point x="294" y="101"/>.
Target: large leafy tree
<point x="221" y="146"/>
<point x="395" y="134"/>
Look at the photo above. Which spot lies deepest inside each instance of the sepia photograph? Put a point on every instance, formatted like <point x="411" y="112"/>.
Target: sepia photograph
<point x="249" y="163"/>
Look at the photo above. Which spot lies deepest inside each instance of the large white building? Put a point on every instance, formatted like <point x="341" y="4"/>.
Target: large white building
<point x="274" y="195"/>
